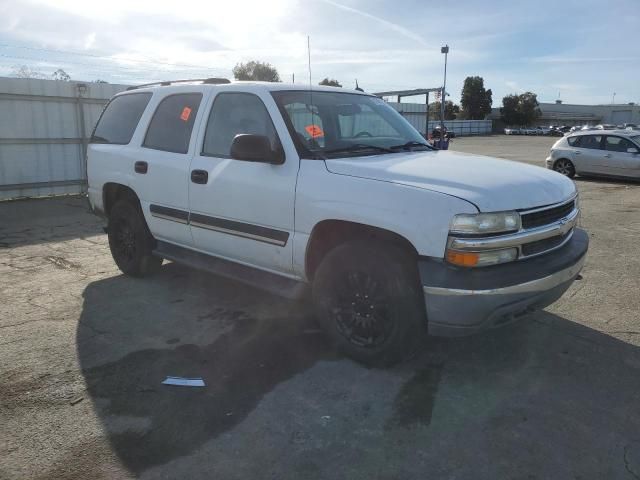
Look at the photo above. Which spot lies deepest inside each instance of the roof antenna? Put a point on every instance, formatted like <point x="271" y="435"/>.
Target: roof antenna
<point x="357" y="87"/>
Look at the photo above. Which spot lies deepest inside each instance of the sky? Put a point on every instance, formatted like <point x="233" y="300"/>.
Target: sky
<point x="579" y="51"/>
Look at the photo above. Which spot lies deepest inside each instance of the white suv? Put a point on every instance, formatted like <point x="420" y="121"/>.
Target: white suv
<point x="286" y="187"/>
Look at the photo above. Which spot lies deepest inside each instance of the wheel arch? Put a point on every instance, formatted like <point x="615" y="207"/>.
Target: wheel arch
<point x="327" y="234"/>
<point x="112" y="192"/>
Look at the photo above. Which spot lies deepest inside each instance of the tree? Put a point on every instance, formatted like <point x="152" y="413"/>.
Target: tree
<point x="330" y="82"/>
<point x="475" y="100"/>
<point x="255" y="70"/>
<point x="451" y="110"/>
<point x="60" y="75"/>
<point x="520" y="109"/>
<point x="24" y="71"/>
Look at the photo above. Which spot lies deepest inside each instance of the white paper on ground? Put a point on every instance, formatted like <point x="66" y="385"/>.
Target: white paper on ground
<point x="184" y="382"/>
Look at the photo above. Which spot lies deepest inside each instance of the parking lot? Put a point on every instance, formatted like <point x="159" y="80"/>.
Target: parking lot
<point x="84" y="349"/>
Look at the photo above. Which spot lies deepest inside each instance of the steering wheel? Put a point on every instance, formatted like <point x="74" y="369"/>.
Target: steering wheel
<point x="364" y="133"/>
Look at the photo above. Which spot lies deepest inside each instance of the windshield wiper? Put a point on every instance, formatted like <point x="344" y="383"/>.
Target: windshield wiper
<point x="359" y="147"/>
<point x="410" y="144"/>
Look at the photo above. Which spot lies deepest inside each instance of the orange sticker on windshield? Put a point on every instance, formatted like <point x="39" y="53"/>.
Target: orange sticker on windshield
<point x="314" y="130"/>
<point x="186" y="113"/>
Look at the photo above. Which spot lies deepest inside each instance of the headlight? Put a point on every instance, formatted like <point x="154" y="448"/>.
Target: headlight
<point x="480" y="223"/>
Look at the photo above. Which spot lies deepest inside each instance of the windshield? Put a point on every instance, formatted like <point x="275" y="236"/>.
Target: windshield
<point x="635" y="138"/>
<point x="333" y="124"/>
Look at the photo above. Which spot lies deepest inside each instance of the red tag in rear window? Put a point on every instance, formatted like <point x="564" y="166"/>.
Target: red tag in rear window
<point x="314" y="130"/>
<point x="186" y="113"/>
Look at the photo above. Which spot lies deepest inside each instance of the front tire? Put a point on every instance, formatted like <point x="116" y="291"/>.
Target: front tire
<point x="565" y="167"/>
<point x="368" y="300"/>
<point x="130" y="240"/>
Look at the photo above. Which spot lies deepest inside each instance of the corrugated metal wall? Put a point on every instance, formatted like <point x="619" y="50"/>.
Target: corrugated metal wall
<point x="44" y="127"/>
<point x="415" y="113"/>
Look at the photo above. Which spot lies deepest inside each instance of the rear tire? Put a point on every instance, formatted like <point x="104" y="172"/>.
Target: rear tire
<point x="565" y="167"/>
<point x="368" y="300"/>
<point x="130" y="240"/>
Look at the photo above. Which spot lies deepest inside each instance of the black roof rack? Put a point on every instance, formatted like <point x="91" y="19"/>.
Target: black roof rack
<point x="209" y="81"/>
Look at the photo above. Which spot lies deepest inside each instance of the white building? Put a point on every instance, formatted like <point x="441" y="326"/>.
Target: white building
<point x="567" y="114"/>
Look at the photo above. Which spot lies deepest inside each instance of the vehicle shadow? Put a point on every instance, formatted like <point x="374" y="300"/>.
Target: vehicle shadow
<point x="544" y="396"/>
<point x="46" y="220"/>
<point x="604" y="179"/>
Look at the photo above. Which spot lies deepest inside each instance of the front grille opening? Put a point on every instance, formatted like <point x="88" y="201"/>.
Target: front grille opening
<point x="545" y="217"/>
<point x="533" y="248"/>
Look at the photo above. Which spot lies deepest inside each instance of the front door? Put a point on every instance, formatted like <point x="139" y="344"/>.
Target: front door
<point x="619" y="159"/>
<point x="241" y="210"/>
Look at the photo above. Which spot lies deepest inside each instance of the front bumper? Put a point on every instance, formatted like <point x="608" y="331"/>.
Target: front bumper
<point x="462" y="301"/>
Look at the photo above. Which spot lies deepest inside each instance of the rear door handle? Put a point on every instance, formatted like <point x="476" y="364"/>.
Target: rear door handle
<point x="607" y="155"/>
<point x="576" y="152"/>
<point x="199" y="176"/>
<point x="141" y="167"/>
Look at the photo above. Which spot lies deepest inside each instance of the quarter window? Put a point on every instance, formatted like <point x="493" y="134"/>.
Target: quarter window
<point x="234" y="114"/>
<point x="617" y="144"/>
<point x="172" y="123"/>
<point x="120" y="119"/>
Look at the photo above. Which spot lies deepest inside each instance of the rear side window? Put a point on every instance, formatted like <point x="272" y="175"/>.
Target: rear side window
<point x="120" y="119"/>
<point x="574" y="141"/>
<point x="617" y="144"/>
<point x="590" y="141"/>
<point x="172" y="123"/>
<point x="233" y="114"/>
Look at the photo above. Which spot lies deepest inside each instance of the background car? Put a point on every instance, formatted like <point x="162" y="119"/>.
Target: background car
<point x="512" y="131"/>
<point x="614" y="153"/>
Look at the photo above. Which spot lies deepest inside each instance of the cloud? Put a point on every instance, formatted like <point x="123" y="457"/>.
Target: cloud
<point x="389" y="25"/>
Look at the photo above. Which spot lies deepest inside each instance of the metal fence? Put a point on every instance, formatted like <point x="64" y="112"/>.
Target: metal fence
<point x="416" y="114"/>
<point x="44" y="129"/>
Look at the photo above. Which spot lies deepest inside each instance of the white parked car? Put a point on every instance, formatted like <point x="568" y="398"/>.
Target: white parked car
<point x="512" y="131"/>
<point x="594" y="152"/>
<point x="291" y="189"/>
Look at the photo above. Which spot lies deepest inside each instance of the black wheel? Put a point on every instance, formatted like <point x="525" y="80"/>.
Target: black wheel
<point x="367" y="299"/>
<point x="130" y="241"/>
<point x="565" y="167"/>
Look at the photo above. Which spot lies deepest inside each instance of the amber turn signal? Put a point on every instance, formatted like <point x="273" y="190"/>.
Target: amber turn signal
<point x="464" y="259"/>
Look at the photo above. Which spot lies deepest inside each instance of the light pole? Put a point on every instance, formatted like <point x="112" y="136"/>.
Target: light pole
<point x="443" y="97"/>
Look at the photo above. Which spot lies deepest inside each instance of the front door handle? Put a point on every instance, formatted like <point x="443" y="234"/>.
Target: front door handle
<point x="576" y="152"/>
<point x="607" y="155"/>
<point x="199" y="176"/>
<point x="141" y="167"/>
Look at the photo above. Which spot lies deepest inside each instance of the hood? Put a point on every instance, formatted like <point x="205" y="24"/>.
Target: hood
<point x="492" y="184"/>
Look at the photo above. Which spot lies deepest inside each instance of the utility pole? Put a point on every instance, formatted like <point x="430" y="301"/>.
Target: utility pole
<point x="443" y="97"/>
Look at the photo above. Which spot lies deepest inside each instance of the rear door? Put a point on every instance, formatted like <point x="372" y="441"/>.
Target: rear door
<point x="588" y="154"/>
<point x="241" y="210"/>
<point x="161" y="162"/>
<point x="618" y="160"/>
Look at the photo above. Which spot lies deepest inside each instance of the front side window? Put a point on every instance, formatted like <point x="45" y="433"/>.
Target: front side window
<point x="120" y="118"/>
<point x="172" y="123"/>
<point x="234" y="114"/>
<point x="591" y="141"/>
<point x="617" y="144"/>
<point x="334" y="124"/>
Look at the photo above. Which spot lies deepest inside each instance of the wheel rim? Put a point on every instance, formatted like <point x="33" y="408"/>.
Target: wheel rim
<point x="363" y="311"/>
<point x="124" y="241"/>
<point x="563" y="167"/>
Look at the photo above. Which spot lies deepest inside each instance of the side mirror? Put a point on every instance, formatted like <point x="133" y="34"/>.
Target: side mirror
<point x="255" y="148"/>
<point x="632" y="150"/>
